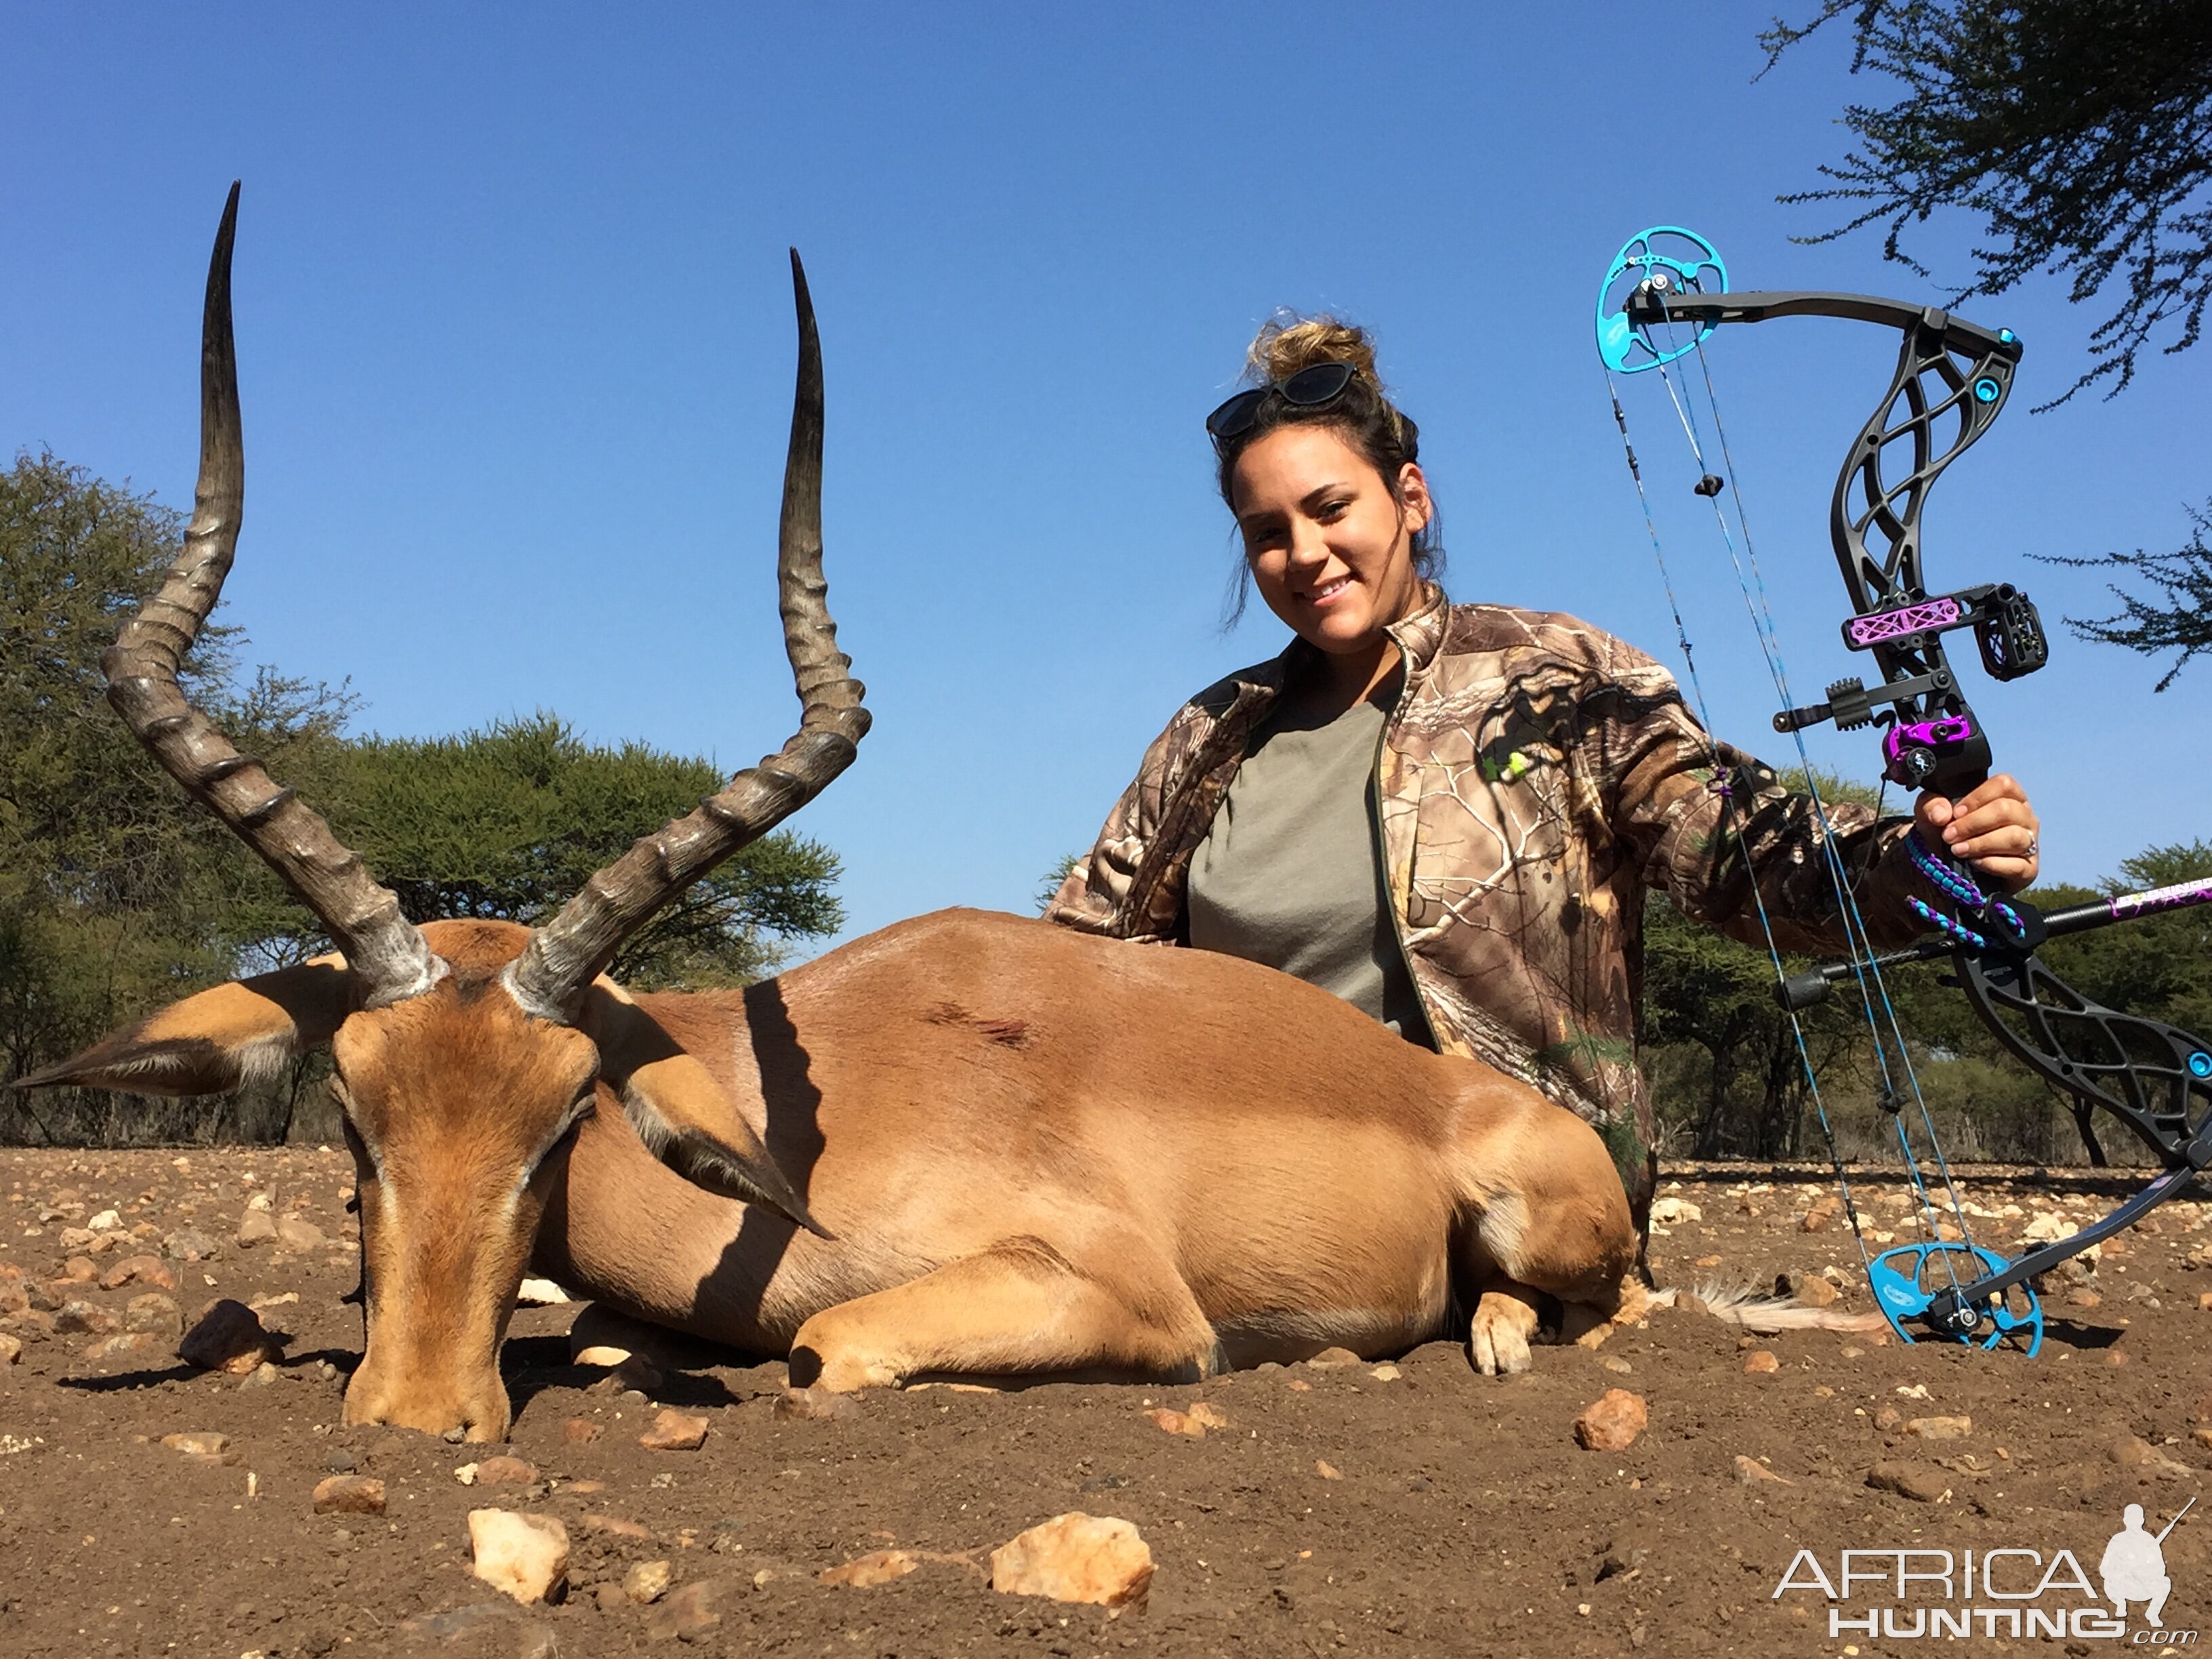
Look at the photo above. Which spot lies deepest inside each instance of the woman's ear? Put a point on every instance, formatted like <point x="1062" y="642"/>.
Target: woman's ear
<point x="1413" y="502"/>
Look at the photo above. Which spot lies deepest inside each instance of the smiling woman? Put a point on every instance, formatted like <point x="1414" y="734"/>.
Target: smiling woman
<point x="1449" y="814"/>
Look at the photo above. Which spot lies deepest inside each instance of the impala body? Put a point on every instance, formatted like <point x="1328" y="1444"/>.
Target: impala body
<point x="968" y="1144"/>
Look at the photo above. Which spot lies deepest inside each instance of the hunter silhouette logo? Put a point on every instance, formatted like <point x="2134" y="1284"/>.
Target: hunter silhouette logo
<point x="2134" y="1566"/>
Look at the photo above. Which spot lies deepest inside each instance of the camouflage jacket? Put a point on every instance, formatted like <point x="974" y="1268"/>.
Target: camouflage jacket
<point x="1535" y="778"/>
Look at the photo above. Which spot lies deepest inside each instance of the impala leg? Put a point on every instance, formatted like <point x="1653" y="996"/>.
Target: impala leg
<point x="1548" y="1216"/>
<point x="1019" y="1307"/>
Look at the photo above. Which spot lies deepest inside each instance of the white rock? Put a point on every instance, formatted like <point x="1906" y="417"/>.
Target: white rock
<point x="524" y="1555"/>
<point x="105" y="1222"/>
<point x="1671" y="1211"/>
<point x="540" y="1293"/>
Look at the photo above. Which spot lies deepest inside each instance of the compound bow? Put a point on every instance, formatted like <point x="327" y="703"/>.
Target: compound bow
<point x="1951" y="381"/>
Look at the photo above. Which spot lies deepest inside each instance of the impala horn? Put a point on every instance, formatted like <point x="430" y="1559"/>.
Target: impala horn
<point x="386" y="953"/>
<point x="550" y="977"/>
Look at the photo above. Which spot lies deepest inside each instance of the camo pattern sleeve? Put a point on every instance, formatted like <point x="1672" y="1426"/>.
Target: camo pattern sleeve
<point x="1722" y="835"/>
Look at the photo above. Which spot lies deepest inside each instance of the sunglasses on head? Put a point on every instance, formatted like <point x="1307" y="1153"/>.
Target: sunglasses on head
<point x="1310" y="388"/>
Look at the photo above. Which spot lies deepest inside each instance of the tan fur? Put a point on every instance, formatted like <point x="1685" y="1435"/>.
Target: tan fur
<point x="1034" y="1151"/>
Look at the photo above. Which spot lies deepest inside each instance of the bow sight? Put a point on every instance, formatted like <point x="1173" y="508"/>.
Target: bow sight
<point x="1665" y="296"/>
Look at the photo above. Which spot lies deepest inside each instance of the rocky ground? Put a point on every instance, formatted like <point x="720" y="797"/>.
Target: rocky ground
<point x="150" y="1507"/>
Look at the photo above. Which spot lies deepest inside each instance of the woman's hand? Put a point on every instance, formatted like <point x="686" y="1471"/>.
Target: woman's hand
<point x="1993" y="828"/>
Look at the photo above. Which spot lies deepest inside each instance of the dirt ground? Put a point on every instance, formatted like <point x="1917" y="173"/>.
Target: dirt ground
<point x="1346" y="1509"/>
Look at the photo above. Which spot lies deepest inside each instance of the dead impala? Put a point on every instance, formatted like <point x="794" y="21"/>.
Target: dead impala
<point x="970" y="1143"/>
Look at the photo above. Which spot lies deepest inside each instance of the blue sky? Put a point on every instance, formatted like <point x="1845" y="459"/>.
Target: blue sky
<point x="515" y="348"/>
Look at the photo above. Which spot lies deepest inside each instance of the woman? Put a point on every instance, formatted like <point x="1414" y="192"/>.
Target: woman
<point x="1449" y="814"/>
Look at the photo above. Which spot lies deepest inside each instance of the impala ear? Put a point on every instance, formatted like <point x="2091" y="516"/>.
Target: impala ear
<point x="684" y="1117"/>
<point x="208" y="1044"/>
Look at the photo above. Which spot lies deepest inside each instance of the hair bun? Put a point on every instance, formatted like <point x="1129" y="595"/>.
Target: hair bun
<point x="1287" y="343"/>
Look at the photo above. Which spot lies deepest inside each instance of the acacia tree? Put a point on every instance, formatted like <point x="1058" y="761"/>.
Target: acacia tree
<point x="2080" y="133"/>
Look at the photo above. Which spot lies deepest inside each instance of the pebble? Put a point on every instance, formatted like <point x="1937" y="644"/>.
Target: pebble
<point x="674" y="1430"/>
<point x="688" y="1613"/>
<point x="808" y="1404"/>
<point x="83" y="1319"/>
<point x="130" y="1345"/>
<point x="261" y="1377"/>
<point x="1614" y="1363"/>
<point x="187" y="1245"/>
<point x="1204" y="1412"/>
<point x="1076" y="1557"/>
<point x="879" y="1567"/>
<point x="1750" y="1472"/>
<point x="581" y="1430"/>
<point x="340" y="1461"/>
<point x="1939" y="1428"/>
<point x="1761" y="1361"/>
<point x="540" y="1293"/>
<point x="296" y="1232"/>
<point x="1888" y="1418"/>
<point x="11" y="1350"/>
<point x="198" y="1443"/>
<point x="1612" y="1421"/>
<point x="227" y="1337"/>
<point x="2132" y="1451"/>
<point x="524" y="1555"/>
<point x="1809" y="1290"/>
<point x="349" y="1494"/>
<point x="612" y="1525"/>
<point x="1326" y="1470"/>
<point x="152" y="1312"/>
<point x="1385" y="1373"/>
<point x="1175" y="1422"/>
<point x="648" y="1582"/>
<point x="496" y="1472"/>
<point x="148" y="1270"/>
<point x="255" y="1227"/>
<point x="1917" y="1481"/>
<point x="79" y="1270"/>
<point x="1329" y="1358"/>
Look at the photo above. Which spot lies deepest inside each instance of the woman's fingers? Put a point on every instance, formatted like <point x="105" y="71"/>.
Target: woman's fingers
<point x="1992" y="828"/>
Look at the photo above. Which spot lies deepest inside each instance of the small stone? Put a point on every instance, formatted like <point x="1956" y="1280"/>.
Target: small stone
<point x="2116" y="1357"/>
<point x="540" y="1293"/>
<point x="1940" y="1428"/>
<point x="814" y="1403"/>
<point x="2133" y="1452"/>
<point x="1888" y="1418"/>
<point x="1611" y="1422"/>
<point x="228" y="1337"/>
<point x="261" y="1377"/>
<point x="340" y="1461"/>
<point x="1614" y="1363"/>
<point x="349" y="1494"/>
<point x="131" y="1344"/>
<point x="581" y="1430"/>
<point x="206" y="1446"/>
<point x="296" y="1232"/>
<point x="611" y="1598"/>
<point x="254" y="1227"/>
<point x="11" y="1350"/>
<point x="105" y="1222"/>
<point x="1673" y="1212"/>
<point x="148" y="1270"/>
<point x="504" y="1471"/>
<point x="79" y="1270"/>
<point x="1075" y="1558"/>
<point x="83" y="1319"/>
<point x="1761" y="1361"/>
<point x="2204" y="1302"/>
<point x="613" y="1526"/>
<point x="1385" y="1373"/>
<point x="1817" y="1218"/>
<point x="2202" y="1434"/>
<point x="152" y="1312"/>
<point x="1175" y="1422"/>
<point x="524" y="1555"/>
<point x="78" y="1239"/>
<point x="1297" y="1385"/>
<point x="674" y="1430"/>
<point x="1750" y="1472"/>
<point x="648" y="1582"/>
<point x="689" y="1613"/>
<point x="1326" y="1470"/>
<point x="1917" y="1481"/>
<point x="1328" y="1359"/>
<point x="1807" y="1290"/>
<point x="1207" y="1412"/>
<point x="879" y="1567"/>
<point x="187" y="1245"/>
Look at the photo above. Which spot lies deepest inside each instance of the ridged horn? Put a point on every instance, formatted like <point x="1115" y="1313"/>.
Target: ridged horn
<point x="563" y="957"/>
<point x="385" y="950"/>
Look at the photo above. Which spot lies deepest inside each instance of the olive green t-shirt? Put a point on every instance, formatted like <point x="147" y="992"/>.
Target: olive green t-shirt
<point x="1289" y="875"/>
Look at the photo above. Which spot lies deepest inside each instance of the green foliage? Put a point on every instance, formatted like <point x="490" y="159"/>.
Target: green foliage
<point x="509" y="821"/>
<point x="2079" y="132"/>
<point x="2180" y="620"/>
<point x="117" y="894"/>
<point x="1056" y="875"/>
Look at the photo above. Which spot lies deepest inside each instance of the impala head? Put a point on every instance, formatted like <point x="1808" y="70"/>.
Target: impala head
<point x="464" y="1052"/>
